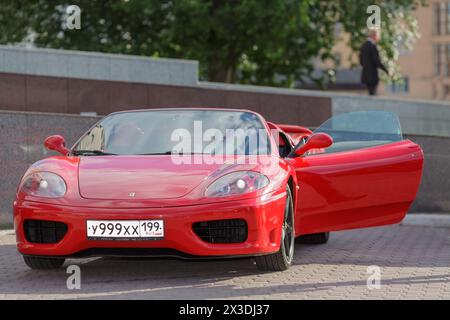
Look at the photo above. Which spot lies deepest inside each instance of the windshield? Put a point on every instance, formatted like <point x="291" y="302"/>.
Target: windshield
<point x="176" y="131"/>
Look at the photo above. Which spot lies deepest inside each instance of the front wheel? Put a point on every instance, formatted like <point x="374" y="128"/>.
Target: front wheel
<point x="282" y="259"/>
<point x="43" y="263"/>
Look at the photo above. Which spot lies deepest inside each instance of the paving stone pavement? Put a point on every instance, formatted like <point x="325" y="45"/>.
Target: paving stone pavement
<point x="414" y="263"/>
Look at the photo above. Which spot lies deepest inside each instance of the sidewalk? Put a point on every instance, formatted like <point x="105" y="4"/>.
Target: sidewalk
<point x="427" y="220"/>
<point x="414" y="262"/>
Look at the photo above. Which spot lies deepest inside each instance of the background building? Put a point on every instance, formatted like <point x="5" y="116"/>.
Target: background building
<point x="420" y="79"/>
<point x="425" y="69"/>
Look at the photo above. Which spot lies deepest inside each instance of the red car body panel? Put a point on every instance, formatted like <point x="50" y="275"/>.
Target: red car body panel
<point x="344" y="190"/>
<point x="104" y="177"/>
<point x="296" y="133"/>
<point x="356" y="189"/>
<point x="261" y="215"/>
<point x="93" y="201"/>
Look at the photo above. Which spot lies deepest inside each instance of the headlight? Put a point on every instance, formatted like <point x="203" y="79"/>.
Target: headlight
<point x="237" y="183"/>
<point x="44" y="184"/>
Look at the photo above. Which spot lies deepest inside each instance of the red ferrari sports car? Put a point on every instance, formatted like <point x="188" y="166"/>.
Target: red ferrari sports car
<point x="212" y="183"/>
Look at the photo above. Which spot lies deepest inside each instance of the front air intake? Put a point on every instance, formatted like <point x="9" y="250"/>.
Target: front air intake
<point x="42" y="231"/>
<point x="222" y="231"/>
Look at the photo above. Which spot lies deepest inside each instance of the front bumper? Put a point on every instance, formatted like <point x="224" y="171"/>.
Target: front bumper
<point x="264" y="217"/>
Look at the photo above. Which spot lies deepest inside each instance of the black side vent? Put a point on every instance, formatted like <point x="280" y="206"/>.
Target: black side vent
<point x="222" y="231"/>
<point x="41" y="231"/>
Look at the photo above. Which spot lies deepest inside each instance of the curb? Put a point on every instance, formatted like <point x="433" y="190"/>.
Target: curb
<point x="8" y="232"/>
<point x="427" y="220"/>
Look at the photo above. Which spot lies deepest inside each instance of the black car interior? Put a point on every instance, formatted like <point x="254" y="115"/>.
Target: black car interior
<point x="284" y="145"/>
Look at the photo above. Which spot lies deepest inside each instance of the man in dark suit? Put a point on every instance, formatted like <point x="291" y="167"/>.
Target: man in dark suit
<point x="369" y="59"/>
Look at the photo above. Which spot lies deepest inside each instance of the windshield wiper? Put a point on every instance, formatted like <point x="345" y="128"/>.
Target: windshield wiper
<point x="169" y="153"/>
<point x="92" y="153"/>
<point x="101" y="153"/>
<point x="155" y="153"/>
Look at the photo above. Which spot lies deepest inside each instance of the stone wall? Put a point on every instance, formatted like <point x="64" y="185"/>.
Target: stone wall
<point x="20" y="92"/>
<point x="97" y="66"/>
<point x="434" y="191"/>
<point x="21" y="137"/>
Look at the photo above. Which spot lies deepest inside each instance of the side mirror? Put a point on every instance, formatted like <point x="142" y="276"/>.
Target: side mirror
<point x="316" y="141"/>
<point x="56" y="143"/>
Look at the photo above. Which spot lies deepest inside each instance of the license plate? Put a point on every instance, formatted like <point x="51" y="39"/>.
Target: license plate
<point x="125" y="229"/>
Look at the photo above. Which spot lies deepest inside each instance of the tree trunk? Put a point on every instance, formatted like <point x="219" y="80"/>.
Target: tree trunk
<point x="221" y="74"/>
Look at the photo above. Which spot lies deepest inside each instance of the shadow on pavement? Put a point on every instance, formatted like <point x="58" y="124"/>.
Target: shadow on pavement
<point x="400" y="248"/>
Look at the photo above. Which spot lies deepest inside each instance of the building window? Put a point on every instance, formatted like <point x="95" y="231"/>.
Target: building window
<point x="444" y="18"/>
<point x="441" y="12"/>
<point x="447" y="60"/>
<point x="399" y="87"/>
<point x="446" y="92"/>
<point x="447" y="29"/>
<point x="441" y="59"/>
<point x="437" y="59"/>
<point x="437" y="18"/>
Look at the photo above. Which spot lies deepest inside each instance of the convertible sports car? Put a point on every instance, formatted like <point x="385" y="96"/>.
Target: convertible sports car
<point x="212" y="183"/>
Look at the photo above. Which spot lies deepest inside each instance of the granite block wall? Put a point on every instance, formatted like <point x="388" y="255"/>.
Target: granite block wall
<point x="75" y="96"/>
<point x="21" y="137"/>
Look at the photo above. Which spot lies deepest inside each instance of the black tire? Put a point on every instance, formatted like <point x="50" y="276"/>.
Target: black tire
<point x="315" y="238"/>
<point x="282" y="259"/>
<point x="42" y="263"/>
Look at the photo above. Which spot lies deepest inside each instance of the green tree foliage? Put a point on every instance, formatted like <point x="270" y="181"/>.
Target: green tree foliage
<point x="270" y="42"/>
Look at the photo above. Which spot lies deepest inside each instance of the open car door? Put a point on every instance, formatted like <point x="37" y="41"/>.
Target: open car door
<point x="368" y="177"/>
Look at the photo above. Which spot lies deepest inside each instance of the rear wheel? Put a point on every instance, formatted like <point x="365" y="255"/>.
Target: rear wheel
<point x="43" y="263"/>
<point x="282" y="259"/>
<point x="315" y="238"/>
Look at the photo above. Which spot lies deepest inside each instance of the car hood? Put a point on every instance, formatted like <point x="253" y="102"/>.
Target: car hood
<point x="139" y="177"/>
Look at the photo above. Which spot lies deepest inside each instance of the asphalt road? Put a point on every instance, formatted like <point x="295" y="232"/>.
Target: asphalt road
<point x="414" y="263"/>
